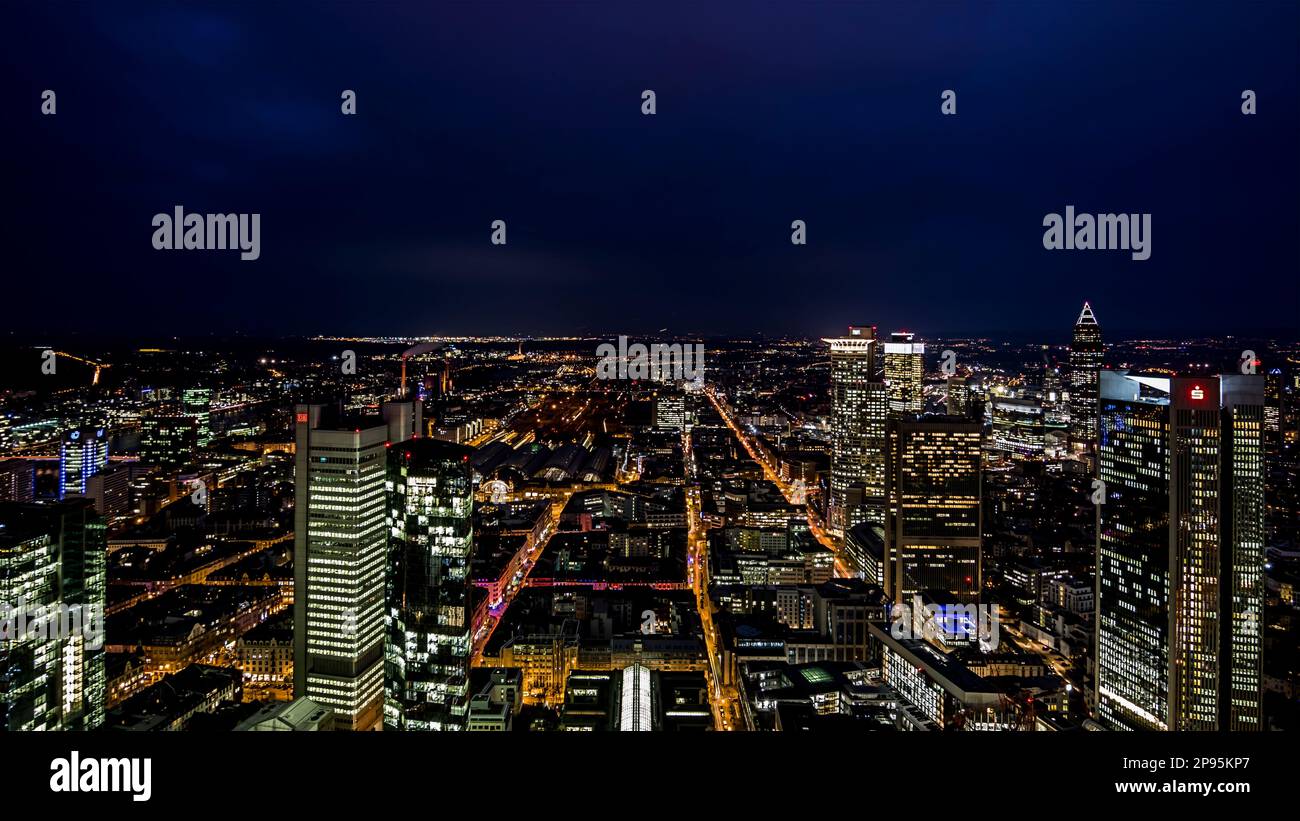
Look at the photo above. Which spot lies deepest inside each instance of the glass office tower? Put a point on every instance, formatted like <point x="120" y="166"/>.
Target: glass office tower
<point x="52" y="591"/>
<point x="340" y="557"/>
<point x="431" y="541"/>
<point x="1180" y="552"/>
<point x="84" y="453"/>
<point x="859" y="410"/>
<point x="933" y="536"/>
<point x="905" y="374"/>
<point x="197" y="403"/>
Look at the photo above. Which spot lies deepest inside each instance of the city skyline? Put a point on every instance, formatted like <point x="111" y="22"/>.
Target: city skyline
<point x="490" y="536"/>
<point x="885" y="369"/>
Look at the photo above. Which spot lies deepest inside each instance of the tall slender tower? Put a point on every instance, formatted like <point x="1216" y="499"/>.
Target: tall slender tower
<point x="430" y="515"/>
<point x="340" y="553"/>
<point x="1086" y="355"/>
<point x="1180" y="552"/>
<point x="859" y="405"/>
<point x="905" y="374"/>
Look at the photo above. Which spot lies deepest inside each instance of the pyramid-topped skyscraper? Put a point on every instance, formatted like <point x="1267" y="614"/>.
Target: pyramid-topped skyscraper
<point x="1086" y="353"/>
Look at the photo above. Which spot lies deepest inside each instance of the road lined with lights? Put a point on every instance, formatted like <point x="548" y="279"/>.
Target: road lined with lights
<point x="814" y="524"/>
<point x="722" y="699"/>
<point x="521" y="564"/>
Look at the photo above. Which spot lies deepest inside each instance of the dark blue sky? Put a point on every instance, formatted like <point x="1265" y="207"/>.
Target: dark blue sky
<point x="767" y="112"/>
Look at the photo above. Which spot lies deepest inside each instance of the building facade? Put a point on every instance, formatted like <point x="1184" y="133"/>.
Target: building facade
<point x="1180" y="552"/>
<point x="340" y="556"/>
<point x="83" y="453"/>
<point x="933" y="536"/>
<point x="1086" y="356"/>
<point x="52" y="589"/>
<point x="905" y="374"/>
<point x="197" y="404"/>
<point x="859" y="410"/>
<point x="431" y="543"/>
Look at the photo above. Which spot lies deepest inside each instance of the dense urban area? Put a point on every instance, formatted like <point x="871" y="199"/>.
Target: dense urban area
<point x="876" y="531"/>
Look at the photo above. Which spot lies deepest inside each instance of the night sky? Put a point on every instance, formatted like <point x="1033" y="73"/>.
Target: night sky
<point x="767" y="112"/>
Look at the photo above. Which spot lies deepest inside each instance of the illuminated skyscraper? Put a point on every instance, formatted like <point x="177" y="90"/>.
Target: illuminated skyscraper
<point x="430" y="515"/>
<point x="52" y="564"/>
<point x="197" y="402"/>
<point x="1281" y="455"/>
<point x="859" y="409"/>
<point x="1053" y="393"/>
<point x="17" y="481"/>
<point x="958" y="396"/>
<point x="1180" y="552"/>
<point x="83" y="454"/>
<point x="670" y="410"/>
<point x="905" y="374"/>
<point x="169" y="440"/>
<point x="1086" y="355"/>
<point x="340" y="558"/>
<point x="932" y="538"/>
<point x="1018" y="426"/>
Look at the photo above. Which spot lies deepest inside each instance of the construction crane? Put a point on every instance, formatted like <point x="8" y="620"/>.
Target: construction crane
<point x="98" y="365"/>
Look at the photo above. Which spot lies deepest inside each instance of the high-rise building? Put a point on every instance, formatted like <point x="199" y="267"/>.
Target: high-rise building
<point x="197" y="403"/>
<point x="904" y="374"/>
<point x="859" y="410"/>
<point x="1281" y="456"/>
<point x="52" y="594"/>
<point x="864" y="550"/>
<point x="958" y="396"/>
<point x="966" y="397"/>
<point x="83" y="454"/>
<point x="431" y="541"/>
<point x="1180" y="552"/>
<point x="110" y="490"/>
<point x="933" y="535"/>
<point x="17" y="481"/>
<point x="670" y="410"/>
<point x="1086" y="356"/>
<point x="340" y="557"/>
<point x="1018" y="426"/>
<point x="1055" y="411"/>
<point x="169" y="440"/>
